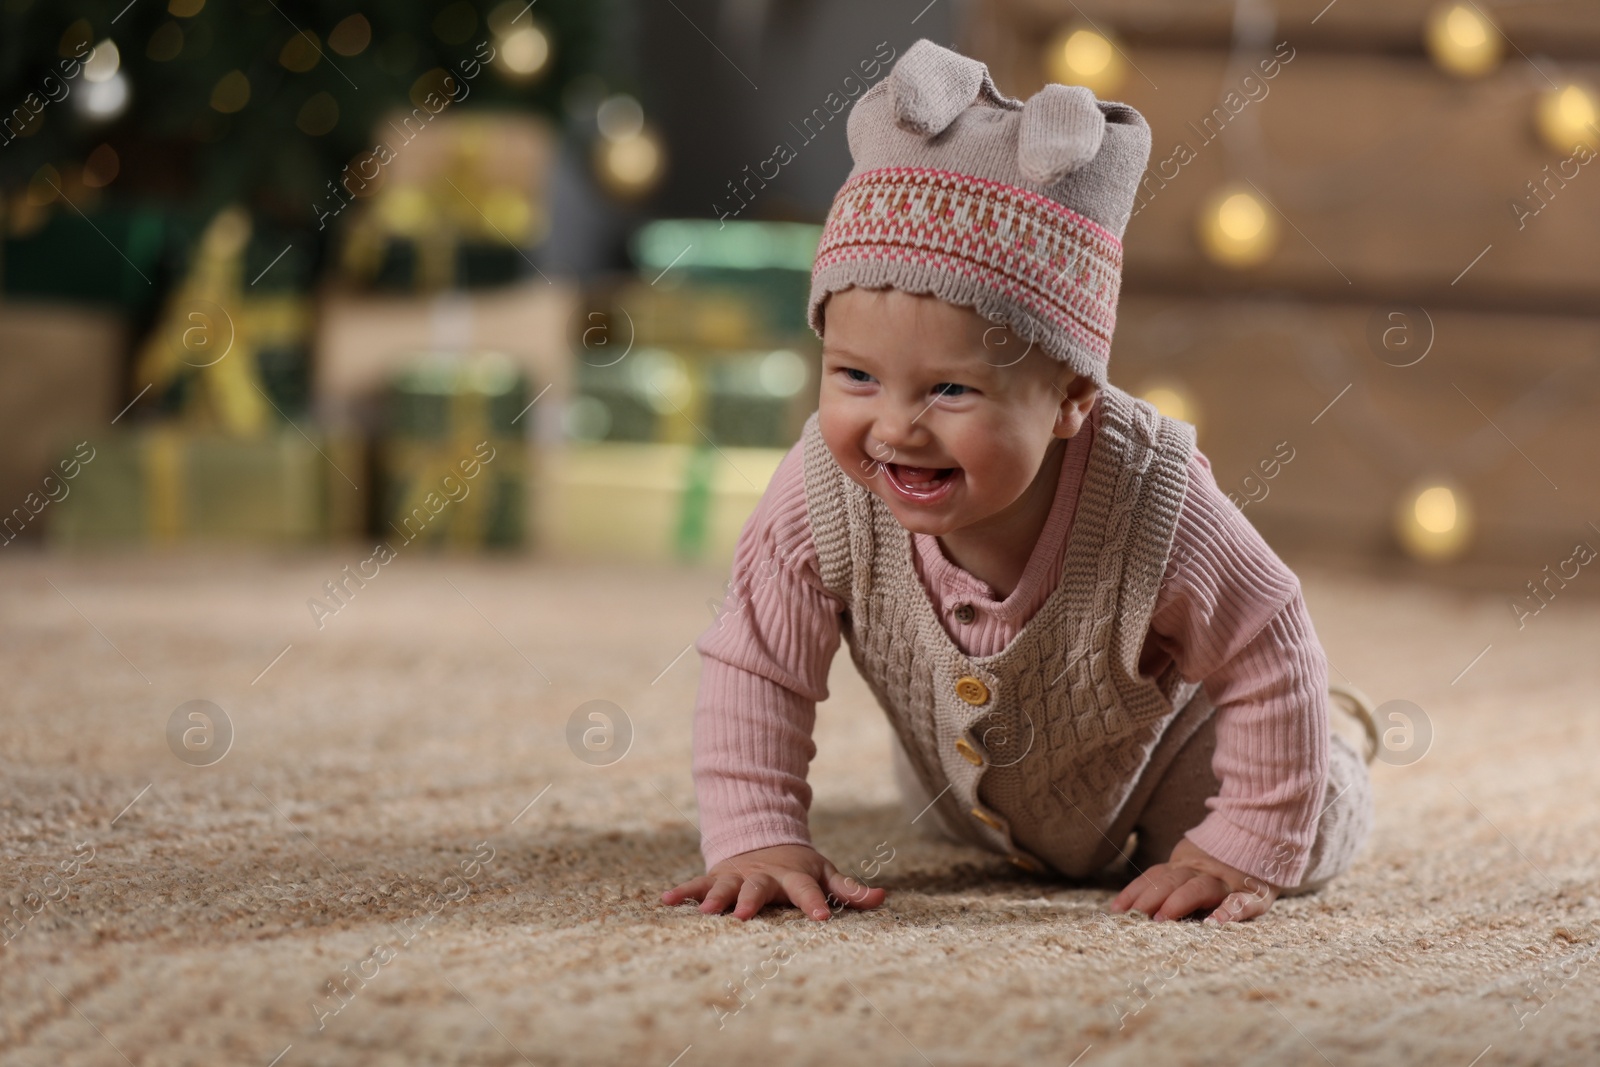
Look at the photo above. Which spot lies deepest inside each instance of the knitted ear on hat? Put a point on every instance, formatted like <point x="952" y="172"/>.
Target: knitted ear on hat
<point x="932" y="85"/>
<point x="1062" y="127"/>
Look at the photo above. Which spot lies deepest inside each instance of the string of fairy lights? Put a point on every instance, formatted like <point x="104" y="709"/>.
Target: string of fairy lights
<point x="1236" y="229"/>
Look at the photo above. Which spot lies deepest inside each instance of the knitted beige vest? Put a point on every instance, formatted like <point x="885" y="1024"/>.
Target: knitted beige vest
<point x="1047" y="750"/>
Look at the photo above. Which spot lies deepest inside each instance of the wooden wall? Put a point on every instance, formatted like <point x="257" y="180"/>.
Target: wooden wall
<point x="1393" y="183"/>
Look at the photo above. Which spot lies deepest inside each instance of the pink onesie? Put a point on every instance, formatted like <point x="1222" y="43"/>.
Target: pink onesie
<point x="1228" y="612"/>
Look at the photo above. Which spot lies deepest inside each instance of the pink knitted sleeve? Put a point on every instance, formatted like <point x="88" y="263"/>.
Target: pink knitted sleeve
<point x="1231" y="614"/>
<point x="764" y="667"/>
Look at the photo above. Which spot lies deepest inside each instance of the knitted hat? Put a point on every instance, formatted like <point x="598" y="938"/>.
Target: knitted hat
<point x="1013" y="209"/>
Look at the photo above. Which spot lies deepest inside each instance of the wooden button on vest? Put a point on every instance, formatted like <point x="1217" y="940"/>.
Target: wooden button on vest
<point x="979" y="813"/>
<point x="971" y="689"/>
<point x="1024" y="862"/>
<point x="965" y="613"/>
<point x="968" y="753"/>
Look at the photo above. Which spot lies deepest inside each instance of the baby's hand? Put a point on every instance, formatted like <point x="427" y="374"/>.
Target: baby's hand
<point x="1190" y="879"/>
<point x="792" y="873"/>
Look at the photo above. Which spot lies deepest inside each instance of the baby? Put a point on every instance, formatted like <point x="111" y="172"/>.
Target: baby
<point x="1080" y="644"/>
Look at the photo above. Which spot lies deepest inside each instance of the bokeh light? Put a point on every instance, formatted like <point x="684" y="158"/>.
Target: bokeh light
<point x="232" y="92"/>
<point x="166" y="43"/>
<point x="101" y="167"/>
<point x="1433" y="522"/>
<point x="104" y="100"/>
<point x="629" y="166"/>
<point x="1082" y="56"/>
<point x="1236" y="228"/>
<point x="300" y="53"/>
<point x="523" y="52"/>
<point x="76" y="38"/>
<point x="665" y="378"/>
<point x="1567" y="117"/>
<point x="351" y="36"/>
<point x="437" y="81"/>
<point x="1172" y="399"/>
<point x="782" y="372"/>
<point x="1462" y="40"/>
<point x="103" y="63"/>
<point x="318" y="115"/>
<point x="620" y="117"/>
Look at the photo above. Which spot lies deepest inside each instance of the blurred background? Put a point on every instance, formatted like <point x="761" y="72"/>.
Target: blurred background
<point x="274" y="271"/>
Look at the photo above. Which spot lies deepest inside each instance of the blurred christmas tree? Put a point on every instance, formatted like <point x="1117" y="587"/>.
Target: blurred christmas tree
<point x="255" y="101"/>
<point x="126" y="128"/>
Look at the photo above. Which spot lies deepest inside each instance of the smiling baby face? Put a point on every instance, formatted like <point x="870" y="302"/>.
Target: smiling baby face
<point x="943" y="415"/>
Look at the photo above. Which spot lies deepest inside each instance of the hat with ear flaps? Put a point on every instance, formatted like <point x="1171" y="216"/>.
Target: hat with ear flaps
<point x="1013" y="209"/>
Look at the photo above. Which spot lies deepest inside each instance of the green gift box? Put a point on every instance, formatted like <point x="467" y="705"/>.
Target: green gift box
<point x="165" y="484"/>
<point x="453" y="460"/>
<point x="657" y="503"/>
<point x="744" y="399"/>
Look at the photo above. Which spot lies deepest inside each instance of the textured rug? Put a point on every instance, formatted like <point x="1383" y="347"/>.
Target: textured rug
<point x="396" y="833"/>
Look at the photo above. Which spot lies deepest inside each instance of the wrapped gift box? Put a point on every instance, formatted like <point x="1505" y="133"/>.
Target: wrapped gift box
<point x="747" y="399"/>
<point x="362" y="341"/>
<point x="453" y="461"/>
<point x="729" y="283"/>
<point x="59" y="366"/>
<point x="457" y="492"/>
<point x="651" y="502"/>
<point x="454" y="210"/>
<point x="165" y="484"/>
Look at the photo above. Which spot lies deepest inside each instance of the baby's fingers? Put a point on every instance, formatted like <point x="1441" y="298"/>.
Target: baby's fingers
<point x="854" y="893"/>
<point x="754" y="896"/>
<point x="1150" y="890"/>
<point x="1131" y="892"/>
<point x="721" y="895"/>
<point x="805" y="894"/>
<point x="1240" y="906"/>
<point x="1197" y="892"/>
<point x="694" y="887"/>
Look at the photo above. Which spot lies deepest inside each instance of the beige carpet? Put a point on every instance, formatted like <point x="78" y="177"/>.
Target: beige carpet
<point x="400" y="805"/>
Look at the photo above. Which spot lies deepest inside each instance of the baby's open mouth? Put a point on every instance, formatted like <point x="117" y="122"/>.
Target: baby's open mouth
<point x="922" y="484"/>
<point x="921" y="476"/>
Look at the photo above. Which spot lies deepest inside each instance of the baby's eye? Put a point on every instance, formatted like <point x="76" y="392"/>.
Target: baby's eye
<point x="851" y="373"/>
<point x="949" y="389"/>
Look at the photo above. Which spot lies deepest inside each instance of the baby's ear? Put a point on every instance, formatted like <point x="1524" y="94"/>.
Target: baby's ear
<point x="1062" y="127"/>
<point x="1078" y="387"/>
<point x="933" y="85"/>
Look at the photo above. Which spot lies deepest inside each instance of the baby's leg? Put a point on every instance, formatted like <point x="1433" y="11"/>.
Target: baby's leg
<point x="1178" y="804"/>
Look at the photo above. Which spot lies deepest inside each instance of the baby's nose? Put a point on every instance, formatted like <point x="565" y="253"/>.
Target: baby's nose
<point x="900" y="429"/>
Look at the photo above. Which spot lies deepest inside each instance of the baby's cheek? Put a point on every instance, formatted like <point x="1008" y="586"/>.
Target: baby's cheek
<point x="985" y="466"/>
<point x="836" y="434"/>
<point x="1000" y="477"/>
